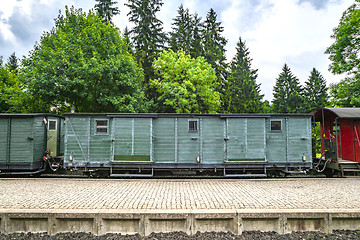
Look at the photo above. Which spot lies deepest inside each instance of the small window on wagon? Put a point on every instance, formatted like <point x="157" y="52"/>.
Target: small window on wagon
<point x="52" y="125"/>
<point x="101" y="127"/>
<point x="193" y="125"/>
<point x="336" y="130"/>
<point x="275" y="125"/>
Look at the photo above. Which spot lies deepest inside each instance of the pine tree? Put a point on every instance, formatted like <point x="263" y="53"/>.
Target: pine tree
<point x="214" y="44"/>
<point x="181" y="35"/>
<point x="288" y="93"/>
<point x="214" y="50"/>
<point x="148" y="37"/>
<point x="105" y="10"/>
<point x="12" y="63"/>
<point x="243" y="92"/>
<point x="315" y="91"/>
<point x="128" y="41"/>
<point x="185" y="34"/>
<point x="197" y="48"/>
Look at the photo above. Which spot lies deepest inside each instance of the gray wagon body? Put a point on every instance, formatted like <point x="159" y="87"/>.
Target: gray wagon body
<point x="236" y="144"/>
<point x="23" y="141"/>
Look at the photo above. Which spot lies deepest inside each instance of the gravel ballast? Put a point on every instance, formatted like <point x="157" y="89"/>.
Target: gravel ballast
<point x="339" y="234"/>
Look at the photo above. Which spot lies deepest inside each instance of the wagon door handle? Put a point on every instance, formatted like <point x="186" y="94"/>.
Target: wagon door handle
<point x="194" y="138"/>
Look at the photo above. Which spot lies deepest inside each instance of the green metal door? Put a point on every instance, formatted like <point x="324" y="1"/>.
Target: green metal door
<point x="245" y="139"/>
<point x="165" y="140"/>
<point x="132" y="139"/>
<point x="4" y="143"/>
<point x="212" y="136"/>
<point x="21" y="140"/>
<point x="298" y="139"/>
<point x="188" y="140"/>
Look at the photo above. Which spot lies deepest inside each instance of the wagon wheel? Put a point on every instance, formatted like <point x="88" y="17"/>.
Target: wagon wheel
<point x="329" y="173"/>
<point x="340" y="174"/>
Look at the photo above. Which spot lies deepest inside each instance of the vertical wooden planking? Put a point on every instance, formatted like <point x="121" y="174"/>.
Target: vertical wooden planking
<point x="276" y="141"/>
<point x="100" y="143"/>
<point x="188" y="141"/>
<point x="255" y="135"/>
<point x="21" y="140"/>
<point x="213" y="140"/>
<point x="299" y="138"/>
<point x="165" y="140"/>
<point x="3" y="141"/>
<point x="176" y="140"/>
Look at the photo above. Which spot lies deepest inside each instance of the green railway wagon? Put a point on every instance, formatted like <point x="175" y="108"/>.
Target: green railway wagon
<point x="237" y="145"/>
<point x="24" y="138"/>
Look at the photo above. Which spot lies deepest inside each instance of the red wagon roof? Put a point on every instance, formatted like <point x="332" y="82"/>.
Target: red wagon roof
<point x="338" y="112"/>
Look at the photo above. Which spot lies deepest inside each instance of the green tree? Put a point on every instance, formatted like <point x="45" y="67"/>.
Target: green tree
<point x="344" y="54"/>
<point x="13" y="63"/>
<point x="214" y="50"/>
<point x="84" y="63"/>
<point x="127" y="40"/>
<point x="148" y="37"/>
<point x="106" y="10"/>
<point x="185" y="84"/>
<point x="197" y="48"/>
<point x="266" y="107"/>
<point x="214" y="44"/>
<point x="243" y="92"/>
<point x="346" y="93"/>
<point x="12" y="97"/>
<point x="315" y="91"/>
<point x="185" y="34"/>
<point x="288" y="93"/>
<point x="181" y="35"/>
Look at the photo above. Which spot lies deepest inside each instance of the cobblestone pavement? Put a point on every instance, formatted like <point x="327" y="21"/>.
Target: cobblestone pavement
<point x="295" y="193"/>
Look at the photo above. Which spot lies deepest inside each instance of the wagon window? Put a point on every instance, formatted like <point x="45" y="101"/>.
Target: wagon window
<point x="193" y="126"/>
<point x="52" y="125"/>
<point x="336" y="130"/>
<point x="101" y="126"/>
<point x="275" y="126"/>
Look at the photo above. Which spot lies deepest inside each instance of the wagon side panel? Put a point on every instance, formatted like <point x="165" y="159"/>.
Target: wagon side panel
<point x="212" y="137"/>
<point x="165" y="140"/>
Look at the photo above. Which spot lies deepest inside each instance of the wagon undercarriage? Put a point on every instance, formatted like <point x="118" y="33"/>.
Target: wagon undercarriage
<point x="170" y="169"/>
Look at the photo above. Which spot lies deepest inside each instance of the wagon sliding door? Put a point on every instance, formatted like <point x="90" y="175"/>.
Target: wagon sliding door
<point x="4" y="143"/>
<point x="132" y="139"/>
<point x="246" y="139"/>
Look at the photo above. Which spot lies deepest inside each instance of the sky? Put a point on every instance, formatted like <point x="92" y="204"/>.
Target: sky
<point x="295" y="32"/>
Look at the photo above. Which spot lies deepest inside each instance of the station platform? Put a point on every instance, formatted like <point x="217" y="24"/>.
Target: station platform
<point x="130" y="206"/>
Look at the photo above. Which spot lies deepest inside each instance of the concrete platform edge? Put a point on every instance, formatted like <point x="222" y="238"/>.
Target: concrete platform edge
<point x="144" y="222"/>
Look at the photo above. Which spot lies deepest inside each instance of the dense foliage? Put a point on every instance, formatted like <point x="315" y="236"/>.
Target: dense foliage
<point x="243" y="93"/>
<point x="106" y="10"/>
<point x="185" y="34"/>
<point x="315" y="91"/>
<point x="288" y="93"/>
<point x="345" y="56"/>
<point x="85" y="63"/>
<point x="12" y="95"/>
<point x="185" y="84"/>
<point x="148" y="37"/>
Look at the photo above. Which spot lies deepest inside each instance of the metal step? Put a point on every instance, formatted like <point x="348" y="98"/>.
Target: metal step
<point x="145" y="175"/>
<point x="131" y="175"/>
<point x="351" y="170"/>
<point x="246" y="175"/>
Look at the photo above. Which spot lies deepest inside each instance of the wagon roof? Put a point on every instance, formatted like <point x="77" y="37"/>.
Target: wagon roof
<point x="27" y="115"/>
<point x="155" y="115"/>
<point x="339" y="112"/>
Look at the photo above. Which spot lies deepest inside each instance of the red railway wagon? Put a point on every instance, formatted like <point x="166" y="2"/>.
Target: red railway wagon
<point x="340" y="143"/>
